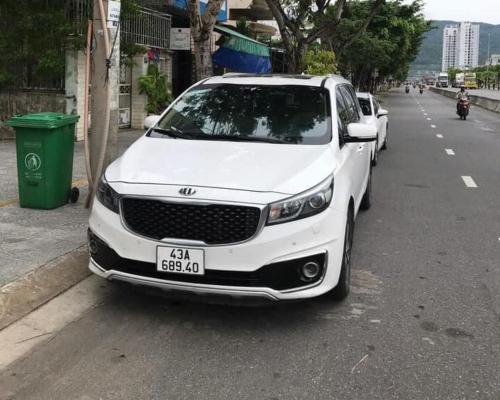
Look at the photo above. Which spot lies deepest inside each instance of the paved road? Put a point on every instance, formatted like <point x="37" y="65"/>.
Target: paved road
<point x="423" y="321"/>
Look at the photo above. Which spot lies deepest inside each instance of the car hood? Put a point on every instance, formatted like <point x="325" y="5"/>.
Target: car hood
<point x="252" y="166"/>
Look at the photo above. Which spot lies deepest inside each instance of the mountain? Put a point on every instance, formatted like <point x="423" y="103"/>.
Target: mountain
<point x="429" y="58"/>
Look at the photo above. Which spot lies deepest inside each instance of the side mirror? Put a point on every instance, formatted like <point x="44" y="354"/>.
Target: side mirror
<point x="151" y="121"/>
<point x="361" y="133"/>
<point x="382" y="113"/>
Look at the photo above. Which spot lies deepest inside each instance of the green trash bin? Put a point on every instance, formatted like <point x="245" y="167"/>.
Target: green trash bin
<point x="44" y="145"/>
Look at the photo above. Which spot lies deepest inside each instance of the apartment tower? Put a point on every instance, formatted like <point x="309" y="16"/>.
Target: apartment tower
<point x="460" y="46"/>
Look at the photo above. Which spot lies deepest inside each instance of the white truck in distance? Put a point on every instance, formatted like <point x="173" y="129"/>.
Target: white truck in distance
<point x="442" y="80"/>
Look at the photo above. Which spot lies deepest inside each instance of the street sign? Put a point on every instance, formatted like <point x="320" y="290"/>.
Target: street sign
<point x="180" y="39"/>
<point x="113" y="13"/>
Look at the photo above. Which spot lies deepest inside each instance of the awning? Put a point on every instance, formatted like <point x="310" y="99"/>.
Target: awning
<point x="241" y="53"/>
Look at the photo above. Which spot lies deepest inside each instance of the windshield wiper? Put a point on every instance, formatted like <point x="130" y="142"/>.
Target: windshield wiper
<point x="241" y="138"/>
<point x="175" y="133"/>
<point x="167" y="132"/>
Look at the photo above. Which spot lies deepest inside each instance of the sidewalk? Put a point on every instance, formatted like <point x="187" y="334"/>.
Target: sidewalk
<point x="32" y="238"/>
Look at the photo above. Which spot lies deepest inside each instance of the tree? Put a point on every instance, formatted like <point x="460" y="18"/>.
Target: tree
<point x="386" y="48"/>
<point x="302" y="22"/>
<point x="320" y="62"/>
<point x="201" y="31"/>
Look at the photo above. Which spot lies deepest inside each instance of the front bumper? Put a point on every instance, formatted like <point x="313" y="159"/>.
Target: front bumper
<point x="280" y="244"/>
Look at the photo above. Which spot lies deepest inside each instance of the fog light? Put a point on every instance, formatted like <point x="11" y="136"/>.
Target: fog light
<point x="310" y="271"/>
<point x="93" y="246"/>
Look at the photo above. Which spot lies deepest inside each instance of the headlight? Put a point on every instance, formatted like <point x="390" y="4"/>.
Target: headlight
<point x="308" y="203"/>
<point x="107" y="196"/>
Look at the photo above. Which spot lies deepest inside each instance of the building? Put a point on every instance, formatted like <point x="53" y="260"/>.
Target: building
<point x="494" y="59"/>
<point x="467" y="45"/>
<point x="460" y="46"/>
<point x="449" y="47"/>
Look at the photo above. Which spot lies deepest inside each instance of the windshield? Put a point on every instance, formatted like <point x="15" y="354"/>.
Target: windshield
<point x="365" y="106"/>
<point x="274" y="114"/>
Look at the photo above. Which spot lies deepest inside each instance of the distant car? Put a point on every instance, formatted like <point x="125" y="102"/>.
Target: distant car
<point x="377" y="117"/>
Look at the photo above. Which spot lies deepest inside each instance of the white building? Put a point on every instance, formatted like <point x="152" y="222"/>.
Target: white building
<point x="468" y="45"/>
<point x="461" y="46"/>
<point x="449" y="47"/>
<point x="494" y="59"/>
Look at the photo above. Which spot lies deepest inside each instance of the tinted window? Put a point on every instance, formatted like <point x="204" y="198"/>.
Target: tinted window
<point x="282" y="114"/>
<point x="366" y="107"/>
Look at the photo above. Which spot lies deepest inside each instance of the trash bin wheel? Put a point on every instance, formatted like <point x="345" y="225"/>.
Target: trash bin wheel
<point x="74" y="195"/>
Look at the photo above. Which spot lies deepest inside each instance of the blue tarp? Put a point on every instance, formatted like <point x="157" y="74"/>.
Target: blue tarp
<point x="241" y="62"/>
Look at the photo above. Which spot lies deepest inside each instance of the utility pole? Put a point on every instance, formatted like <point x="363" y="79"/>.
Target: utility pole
<point x="105" y="76"/>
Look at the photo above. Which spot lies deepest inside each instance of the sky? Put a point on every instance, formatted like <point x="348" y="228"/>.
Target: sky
<point x="464" y="10"/>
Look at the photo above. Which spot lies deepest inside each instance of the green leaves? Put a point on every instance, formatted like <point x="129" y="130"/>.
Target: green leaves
<point x="154" y="85"/>
<point x="320" y="62"/>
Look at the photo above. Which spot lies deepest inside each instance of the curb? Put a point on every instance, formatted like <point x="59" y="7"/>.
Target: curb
<point x="27" y="293"/>
<point x="480" y="101"/>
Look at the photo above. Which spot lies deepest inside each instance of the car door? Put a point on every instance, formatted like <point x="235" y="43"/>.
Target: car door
<point x="357" y="153"/>
<point x="381" y="123"/>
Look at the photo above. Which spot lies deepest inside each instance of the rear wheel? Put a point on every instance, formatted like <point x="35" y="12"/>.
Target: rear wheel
<point x="341" y="291"/>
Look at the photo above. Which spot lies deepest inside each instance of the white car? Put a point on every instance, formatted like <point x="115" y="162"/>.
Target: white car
<point x="246" y="186"/>
<point x="377" y="117"/>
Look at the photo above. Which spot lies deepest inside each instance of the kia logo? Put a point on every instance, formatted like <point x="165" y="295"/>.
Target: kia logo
<point x="187" y="191"/>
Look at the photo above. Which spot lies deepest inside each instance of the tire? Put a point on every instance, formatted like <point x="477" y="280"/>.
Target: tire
<point x="366" y="202"/>
<point x="74" y="195"/>
<point x="375" y="155"/>
<point x="341" y="291"/>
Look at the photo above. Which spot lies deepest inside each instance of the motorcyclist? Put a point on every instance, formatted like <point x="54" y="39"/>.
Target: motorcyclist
<point x="462" y="95"/>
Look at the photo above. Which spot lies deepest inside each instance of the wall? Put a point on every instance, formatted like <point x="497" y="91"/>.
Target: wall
<point x="22" y="102"/>
<point x="484" y="102"/>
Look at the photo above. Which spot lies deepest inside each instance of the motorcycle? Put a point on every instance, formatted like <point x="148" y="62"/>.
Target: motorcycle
<point x="463" y="109"/>
<point x="421" y="91"/>
<point x="407" y="89"/>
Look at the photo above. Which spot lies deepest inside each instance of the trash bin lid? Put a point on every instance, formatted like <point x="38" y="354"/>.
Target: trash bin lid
<point x="44" y="120"/>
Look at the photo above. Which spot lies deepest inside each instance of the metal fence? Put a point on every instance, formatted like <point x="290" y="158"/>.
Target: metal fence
<point x="149" y="28"/>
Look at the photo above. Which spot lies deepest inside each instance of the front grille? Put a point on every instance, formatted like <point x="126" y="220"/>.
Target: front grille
<point x="212" y="224"/>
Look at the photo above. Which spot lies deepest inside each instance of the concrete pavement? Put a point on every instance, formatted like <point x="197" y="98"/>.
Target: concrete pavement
<point x="422" y="321"/>
<point x="31" y="238"/>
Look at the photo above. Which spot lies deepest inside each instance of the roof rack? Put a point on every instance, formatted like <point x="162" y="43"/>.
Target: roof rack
<point x="249" y="75"/>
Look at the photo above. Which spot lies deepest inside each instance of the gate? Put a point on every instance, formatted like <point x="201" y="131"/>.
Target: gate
<point x="125" y="96"/>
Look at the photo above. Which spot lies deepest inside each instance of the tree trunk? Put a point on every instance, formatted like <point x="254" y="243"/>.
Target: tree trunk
<point x="203" y="58"/>
<point x="296" y="55"/>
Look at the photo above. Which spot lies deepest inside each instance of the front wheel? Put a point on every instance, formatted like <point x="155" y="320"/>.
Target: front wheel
<point x="341" y="291"/>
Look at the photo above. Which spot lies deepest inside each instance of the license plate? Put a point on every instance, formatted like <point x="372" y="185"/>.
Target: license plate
<point x="180" y="260"/>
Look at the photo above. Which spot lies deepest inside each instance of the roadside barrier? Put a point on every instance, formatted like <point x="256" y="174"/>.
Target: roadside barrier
<point x="480" y="101"/>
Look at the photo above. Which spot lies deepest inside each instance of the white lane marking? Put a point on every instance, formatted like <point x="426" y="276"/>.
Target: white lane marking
<point x="469" y="182"/>
<point x="426" y="114"/>
<point x="42" y="324"/>
<point x="428" y="119"/>
<point x="450" y="152"/>
<point x="433" y="126"/>
<point x="439" y="136"/>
